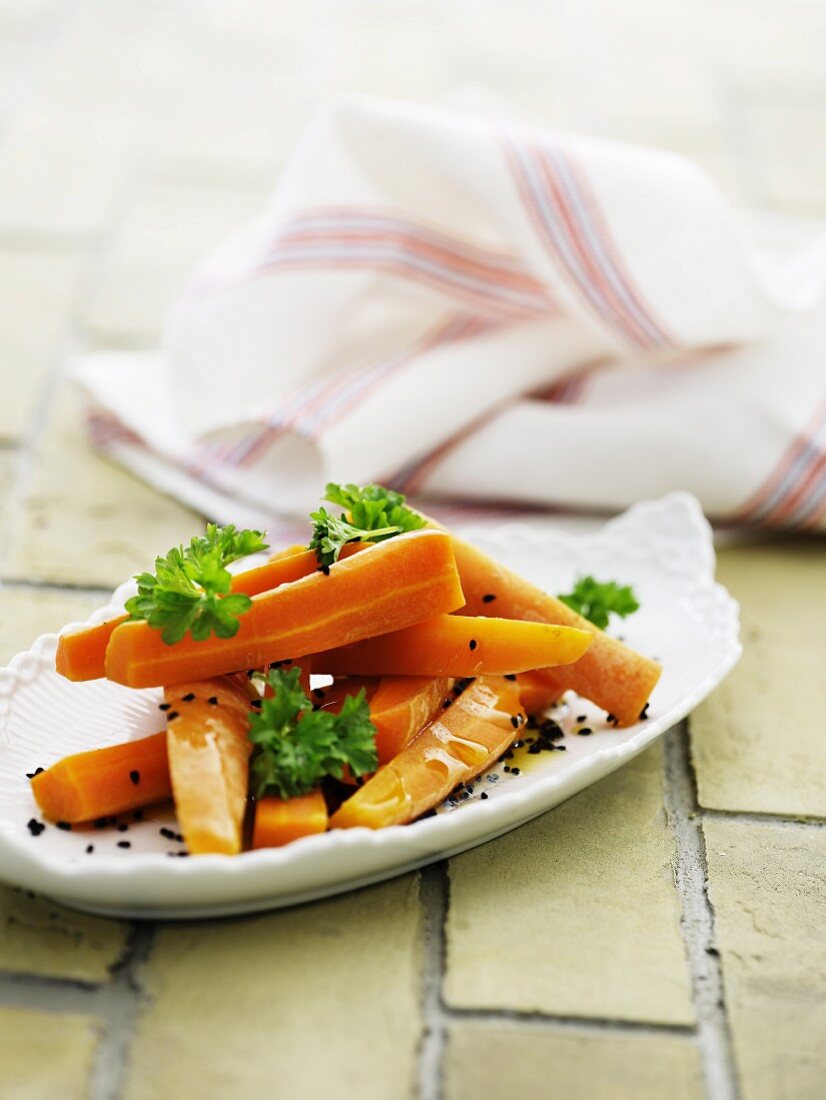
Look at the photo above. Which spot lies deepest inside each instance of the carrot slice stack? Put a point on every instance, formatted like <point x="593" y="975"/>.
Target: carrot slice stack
<point x="397" y="582"/>
<point x="455" y="748"/>
<point x="208" y="751"/>
<point x="609" y="673"/>
<point x="82" y="654"/>
<point x="90" y="785"/>
<point x="459" y="645"/>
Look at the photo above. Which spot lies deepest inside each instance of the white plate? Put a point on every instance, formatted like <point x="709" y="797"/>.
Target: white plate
<point x="687" y="621"/>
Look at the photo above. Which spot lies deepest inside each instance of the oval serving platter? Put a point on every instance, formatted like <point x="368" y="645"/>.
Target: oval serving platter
<point x="687" y="621"/>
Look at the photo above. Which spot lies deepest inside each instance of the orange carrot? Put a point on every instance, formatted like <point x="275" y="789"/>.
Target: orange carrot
<point x="390" y="584"/>
<point x="89" y="785"/>
<point x="281" y="820"/>
<point x="611" y="674"/>
<point x="208" y="753"/>
<point x="82" y="655"/>
<point x="458" y="645"/>
<point x="402" y="706"/>
<point x="535" y="693"/>
<point x="453" y="749"/>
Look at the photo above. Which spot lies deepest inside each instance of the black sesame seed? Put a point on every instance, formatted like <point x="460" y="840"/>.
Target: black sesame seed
<point x="137" y="815"/>
<point x="164" y="706"/>
<point x="122" y="827"/>
<point x="472" y="644"/>
<point x="213" y="700"/>
<point x="581" y="717"/>
<point x="446" y="703"/>
<point x="644" y="712"/>
<point x="515" y="771"/>
<point x="89" y="849"/>
<point x="483" y="796"/>
<point x="168" y="834"/>
<point x="561" y="748"/>
<point x="190" y="695"/>
<point x="319" y="693"/>
<point x="510" y="675"/>
<point x="507" y="768"/>
<point x="135" y="776"/>
<point x="489" y="598"/>
<point x="35" y="827"/>
<point x="124" y="843"/>
<point x="182" y="854"/>
<point x="173" y="714"/>
<point x="64" y="825"/>
<point x="39" y="771"/>
<point x="179" y="838"/>
<point x="610" y="718"/>
<point x="515" y="722"/>
<point x="586" y="731"/>
<point x="257" y="703"/>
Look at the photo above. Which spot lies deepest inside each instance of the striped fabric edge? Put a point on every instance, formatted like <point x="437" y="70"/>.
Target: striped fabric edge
<point x="357" y="238"/>
<point x="794" y="493"/>
<point x="316" y="408"/>
<point x="564" y="212"/>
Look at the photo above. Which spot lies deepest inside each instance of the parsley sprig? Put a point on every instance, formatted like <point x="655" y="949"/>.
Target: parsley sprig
<point x="372" y="514"/>
<point x="297" y="747"/>
<point x="598" y="600"/>
<point x="190" y="588"/>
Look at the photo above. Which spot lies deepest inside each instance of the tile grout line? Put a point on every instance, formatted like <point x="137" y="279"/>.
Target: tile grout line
<point x="697" y="921"/>
<point x="433" y="893"/>
<point x="121" y="1001"/>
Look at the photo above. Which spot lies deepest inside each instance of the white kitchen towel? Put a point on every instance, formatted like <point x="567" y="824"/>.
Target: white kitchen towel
<point x="473" y="310"/>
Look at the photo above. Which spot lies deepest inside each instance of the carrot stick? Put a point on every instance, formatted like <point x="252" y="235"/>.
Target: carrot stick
<point x="89" y="785"/>
<point x="460" y="744"/>
<point x="279" y="821"/>
<point x="458" y="645"/>
<point x="390" y="584"/>
<point x="82" y="655"/>
<point x="402" y="706"/>
<point x="611" y="674"/>
<point x="535" y="692"/>
<point x="208" y="753"/>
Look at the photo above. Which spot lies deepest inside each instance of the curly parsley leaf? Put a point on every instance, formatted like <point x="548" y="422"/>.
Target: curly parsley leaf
<point x="598" y="600"/>
<point x="190" y="588"/>
<point x="297" y="747"/>
<point x="372" y="514"/>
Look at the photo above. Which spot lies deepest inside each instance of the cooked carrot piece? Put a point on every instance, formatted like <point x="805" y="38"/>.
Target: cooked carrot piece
<point x="402" y="706"/>
<point x="82" y="655"/>
<point x="208" y="752"/>
<point x="535" y="693"/>
<point x="458" y="645"/>
<point x="460" y="744"/>
<point x="609" y="673"/>
<point x="390" y="584"/>
<point x="281" y="820"/>
<point x="89" y="785"/>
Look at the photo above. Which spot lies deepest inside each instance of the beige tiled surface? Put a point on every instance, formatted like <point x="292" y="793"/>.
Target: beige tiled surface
<point x="578" y="956"/>
<point x="587" y="918"/>
<point x="758" y="741"/>
<point x="768" y="889"/>
<point x="524" y="1063"/>
<point x="45" y="1055"/>
<point x="319" y="1001"/>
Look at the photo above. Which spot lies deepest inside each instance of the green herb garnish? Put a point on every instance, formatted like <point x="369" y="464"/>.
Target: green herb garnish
<point x="189" y="590"/>
<point x="373" y="514"/>
<point x="296" y="747"/>
<point x="597" y="600"/>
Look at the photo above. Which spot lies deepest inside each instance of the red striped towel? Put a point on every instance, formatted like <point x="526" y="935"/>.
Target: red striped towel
<point x="487" y="313"/>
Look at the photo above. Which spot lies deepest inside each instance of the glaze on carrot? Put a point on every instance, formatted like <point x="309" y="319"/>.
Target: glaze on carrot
<point x="458" y="645"/>
<point x="456" y="747"/>
<point x="390" y="584"/>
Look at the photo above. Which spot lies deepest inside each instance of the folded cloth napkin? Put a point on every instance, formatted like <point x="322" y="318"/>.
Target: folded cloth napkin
<point x="468" y="309"/>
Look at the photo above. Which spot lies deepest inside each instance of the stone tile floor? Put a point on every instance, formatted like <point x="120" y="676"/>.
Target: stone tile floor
<point x="661" y="935"/>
